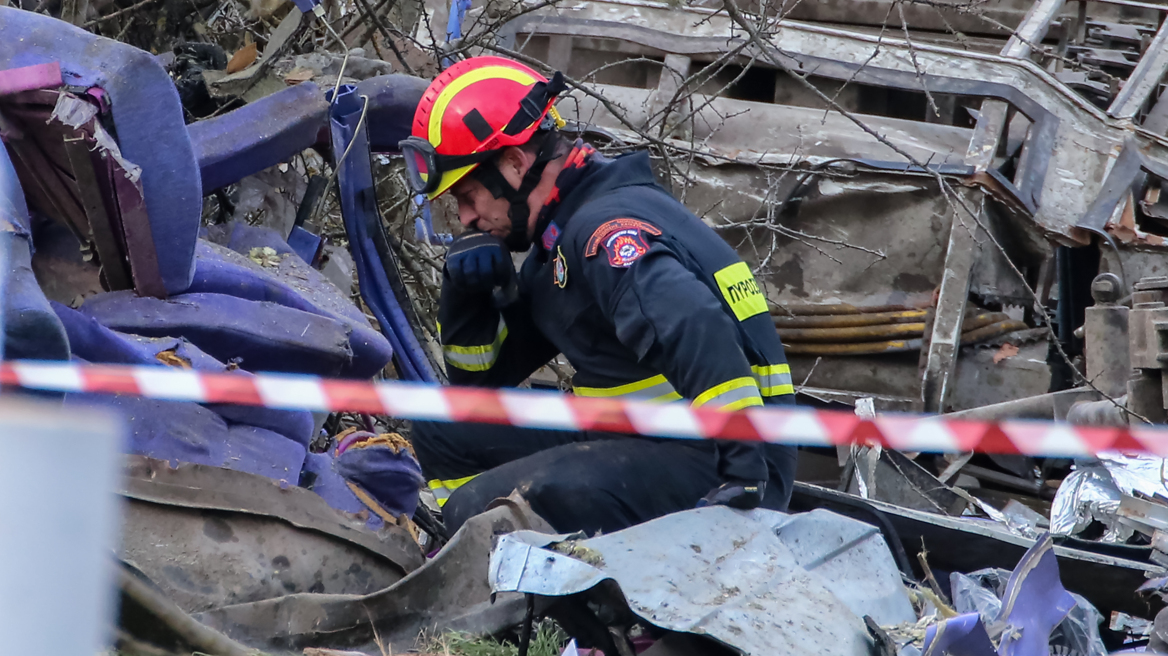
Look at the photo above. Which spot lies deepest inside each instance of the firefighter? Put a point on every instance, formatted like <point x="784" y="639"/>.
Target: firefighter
<point x="642" y="298"/>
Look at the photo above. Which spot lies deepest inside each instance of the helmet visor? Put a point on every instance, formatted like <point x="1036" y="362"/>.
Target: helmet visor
<point x="422" y="169"/>
<point x="425" y="168"/>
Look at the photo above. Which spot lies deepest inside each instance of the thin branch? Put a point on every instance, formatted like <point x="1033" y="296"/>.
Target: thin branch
<point x="954" y="200"/>
<point x="120" y="12"/>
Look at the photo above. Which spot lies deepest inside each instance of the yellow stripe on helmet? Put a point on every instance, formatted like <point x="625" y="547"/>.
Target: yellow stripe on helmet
<point x="434" y="132"/>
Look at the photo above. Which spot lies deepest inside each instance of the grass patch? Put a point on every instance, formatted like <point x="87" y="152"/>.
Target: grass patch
<point x="548" y="639"/>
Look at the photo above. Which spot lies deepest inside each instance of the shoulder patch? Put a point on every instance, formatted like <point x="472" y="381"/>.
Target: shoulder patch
<point x="623" y="240"/>
<point x="606" y="229"/>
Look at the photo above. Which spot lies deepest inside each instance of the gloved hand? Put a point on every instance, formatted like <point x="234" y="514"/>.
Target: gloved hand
<point x="744" y="495"/>
<point x="479" y="262"/>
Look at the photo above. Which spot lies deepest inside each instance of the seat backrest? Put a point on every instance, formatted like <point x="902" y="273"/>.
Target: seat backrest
<point x="147" y="118"/>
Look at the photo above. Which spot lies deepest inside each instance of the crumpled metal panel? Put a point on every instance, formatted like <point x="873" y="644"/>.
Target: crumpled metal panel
<point x="762" y="581"/>
<point x="1093" y="492"/>
<point x="451" y="592"/>
<point x="211" y="537"/>
<point x="1071" y="144"/>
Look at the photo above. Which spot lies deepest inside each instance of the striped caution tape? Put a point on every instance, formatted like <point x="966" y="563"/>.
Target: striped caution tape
<point x="532" y="409"/>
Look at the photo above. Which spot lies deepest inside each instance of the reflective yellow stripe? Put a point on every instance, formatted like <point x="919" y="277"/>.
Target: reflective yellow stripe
<point x="774" y="379"/>
<point x="442" y="489"/>
<point x="438" y="112"/>
<point x="656" y="388"/>
<point x="741" y="291"/>
<point x="744" y="402"/>
<point x="476" y="358"/>
<point x="730" y="393"/>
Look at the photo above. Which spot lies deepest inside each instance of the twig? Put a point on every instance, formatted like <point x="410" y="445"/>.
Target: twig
<point x="120" y="12"/>
<point x="359" y="19"/>
<point x="385" y="32"/>
<point x="951" y="198"/>
<point x="912" y="53"/>
<point x="812" y="371"/>
<point x="923" y="559"/>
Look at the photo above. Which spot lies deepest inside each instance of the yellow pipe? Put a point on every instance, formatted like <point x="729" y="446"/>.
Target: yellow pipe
<point x="855" y="334"/>
<point x="849" y="320"/>
<point x="991" y="331"/>
<point x="814" y="309"/>
<point x="899" y="346"/>
<point x="862" y="348"/>
<point x="982" y="320"/>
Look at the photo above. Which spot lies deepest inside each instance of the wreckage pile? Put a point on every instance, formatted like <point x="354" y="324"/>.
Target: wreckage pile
<point x="965" y="218"/>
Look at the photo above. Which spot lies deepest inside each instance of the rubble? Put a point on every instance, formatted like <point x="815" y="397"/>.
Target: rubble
<point x="960" y="216"/>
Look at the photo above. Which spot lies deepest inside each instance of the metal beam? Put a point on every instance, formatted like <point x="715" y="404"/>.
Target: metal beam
<point x="945" y="338"/>
<point x="1033" y="28"/>
<point x="1144" y="79"/>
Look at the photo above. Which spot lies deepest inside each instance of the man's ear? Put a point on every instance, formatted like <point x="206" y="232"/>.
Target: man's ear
<point x="514" y="161"/>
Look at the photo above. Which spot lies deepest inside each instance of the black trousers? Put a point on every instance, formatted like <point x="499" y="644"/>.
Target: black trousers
<point x="580" y="481"/>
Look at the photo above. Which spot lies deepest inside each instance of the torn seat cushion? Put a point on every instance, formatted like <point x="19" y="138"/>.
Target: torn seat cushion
<point x="262" y="336"/>
<point x="320" y="476"/>
<point x="258" y="135"/>
<point x="31" y="330"/>
<point x="286" y="280"/>
<point x="93" y="342"/>
<point x="188" y="432"/>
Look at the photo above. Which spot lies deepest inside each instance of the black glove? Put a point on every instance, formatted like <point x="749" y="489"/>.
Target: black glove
<point x="479" y="262"/>
<point x="743" y="495"/>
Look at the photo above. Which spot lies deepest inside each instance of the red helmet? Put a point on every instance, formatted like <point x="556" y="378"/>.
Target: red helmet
<point x="471" y="111"/>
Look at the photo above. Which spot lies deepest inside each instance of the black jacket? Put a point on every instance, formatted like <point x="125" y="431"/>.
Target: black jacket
<point x="644" y="300"/>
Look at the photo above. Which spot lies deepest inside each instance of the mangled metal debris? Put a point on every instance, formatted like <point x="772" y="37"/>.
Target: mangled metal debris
<point x="755" y="582"/>
<point x="887" y="288"/>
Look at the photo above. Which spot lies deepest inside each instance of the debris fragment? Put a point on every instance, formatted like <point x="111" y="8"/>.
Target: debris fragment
<point x="265" y="256"/>
<point x="1006" y="351"/>
<point x="171" y="358"/>
<point x="242" y="58"/>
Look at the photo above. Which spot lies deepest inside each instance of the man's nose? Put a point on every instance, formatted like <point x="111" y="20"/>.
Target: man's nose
<point x="466" y="215"/>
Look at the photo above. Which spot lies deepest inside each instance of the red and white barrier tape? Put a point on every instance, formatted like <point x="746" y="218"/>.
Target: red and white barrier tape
<point x="795" y="426"/>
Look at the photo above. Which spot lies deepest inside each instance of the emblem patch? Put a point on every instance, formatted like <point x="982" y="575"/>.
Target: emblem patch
<point x="624" y="247"/>
<point x="560" y="269"/>
<point x="606" y="229"/>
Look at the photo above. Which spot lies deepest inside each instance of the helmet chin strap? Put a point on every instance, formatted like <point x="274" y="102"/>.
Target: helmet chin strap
<point x="489" y="175"/>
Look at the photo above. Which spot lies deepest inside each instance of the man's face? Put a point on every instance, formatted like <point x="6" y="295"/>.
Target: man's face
<point x="479" y="210"/>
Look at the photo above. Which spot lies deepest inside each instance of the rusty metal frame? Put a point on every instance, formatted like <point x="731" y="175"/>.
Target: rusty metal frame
<point x="1040" y="141"/>
<point x="1128" y="165"/>
<point x="80" y="151"/>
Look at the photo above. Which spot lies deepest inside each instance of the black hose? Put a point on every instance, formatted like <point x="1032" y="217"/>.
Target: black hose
<point x="316" y="187"/>
<point x="528" y="619"/>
